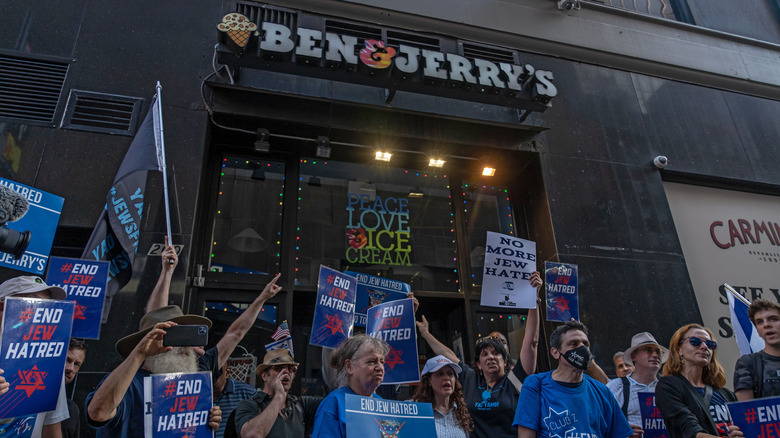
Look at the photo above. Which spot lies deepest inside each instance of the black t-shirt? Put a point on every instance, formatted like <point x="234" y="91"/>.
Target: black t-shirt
<point x="492" y="409"/>
<point x="744" y="378"/>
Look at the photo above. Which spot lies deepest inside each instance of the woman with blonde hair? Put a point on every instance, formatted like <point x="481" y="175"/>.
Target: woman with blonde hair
<point x="690" y="395"/>
<point x="439" y="386"/>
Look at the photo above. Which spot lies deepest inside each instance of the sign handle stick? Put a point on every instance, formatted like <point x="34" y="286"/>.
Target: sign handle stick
<point x="161" y="159"/>
<point x="736" y="294"/>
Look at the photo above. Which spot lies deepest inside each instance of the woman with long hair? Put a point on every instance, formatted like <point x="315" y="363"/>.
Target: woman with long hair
<point x="690" y="395"/>
<point x="360" y="364"/>
<point x="439" y="386"/>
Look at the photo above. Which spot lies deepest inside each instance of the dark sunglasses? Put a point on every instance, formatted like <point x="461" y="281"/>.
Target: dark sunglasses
<point x="290" y="368"/>
<point x="696" y="342"/>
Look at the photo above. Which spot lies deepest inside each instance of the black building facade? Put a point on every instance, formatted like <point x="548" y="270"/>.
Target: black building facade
<point x="600" y="92"/>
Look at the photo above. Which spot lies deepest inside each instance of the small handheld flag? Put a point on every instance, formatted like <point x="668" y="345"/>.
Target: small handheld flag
<point x="745" y="332"/>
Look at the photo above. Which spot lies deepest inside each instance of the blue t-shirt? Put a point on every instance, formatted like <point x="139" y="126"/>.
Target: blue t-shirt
<point x="129" y="419"/>
<point x="554" y="410"/>
<point x="331" y="418"/>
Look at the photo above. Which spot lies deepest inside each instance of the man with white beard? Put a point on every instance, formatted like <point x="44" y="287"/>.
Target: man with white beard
<point x="116" y="408"/>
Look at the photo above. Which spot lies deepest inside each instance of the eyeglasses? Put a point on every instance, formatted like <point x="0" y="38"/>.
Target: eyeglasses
<point x="491" y="338"/>
<point x="290" y="368"/>
<point x="651" y="350"/>
<point x="697" y="341"/>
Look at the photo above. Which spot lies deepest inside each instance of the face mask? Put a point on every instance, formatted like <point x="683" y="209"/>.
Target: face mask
<point x="579" y="357"/>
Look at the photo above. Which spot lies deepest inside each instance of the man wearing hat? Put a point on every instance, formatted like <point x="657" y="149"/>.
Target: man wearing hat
<point x="273" y="412"/>
<point x="116" y="408"/>
<point x="44" y="424"/>
<point x="646" y="356"/>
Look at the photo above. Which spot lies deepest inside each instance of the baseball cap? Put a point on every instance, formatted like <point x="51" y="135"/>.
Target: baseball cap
<point x="28" y="284"/>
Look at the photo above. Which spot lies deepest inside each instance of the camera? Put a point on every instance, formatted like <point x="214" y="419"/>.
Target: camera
<point x="661" y="161"/>
<point x="568" y="5"/>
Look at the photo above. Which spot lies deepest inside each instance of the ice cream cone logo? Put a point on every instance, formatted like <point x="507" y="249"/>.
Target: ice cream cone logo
<point x="238" y="28"/>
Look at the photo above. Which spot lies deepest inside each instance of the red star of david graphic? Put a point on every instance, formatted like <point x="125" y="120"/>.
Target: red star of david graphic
<point x="32" y="380"/>
<point x="78" y="312"/>
<point x="334" y="324"/>
<point x="562" y="303"/>
<point x="394" y="358"/>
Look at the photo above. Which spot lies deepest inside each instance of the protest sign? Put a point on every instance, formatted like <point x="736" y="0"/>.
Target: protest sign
<point x="36" y="333"/>
<point x="178" y="405"/>
<point x="394" y="323"/>
<point x="369" y="417"/>
<point x="85" y="282"/>
<point x="335" y="312"/>
<point x="652" y="420"/>
<point x="759" y="418"/>
<point x="373" y="290"/>
<point x="40" y="220"/>
<point x="561" y="287"/>
<point x="509" y="262"/>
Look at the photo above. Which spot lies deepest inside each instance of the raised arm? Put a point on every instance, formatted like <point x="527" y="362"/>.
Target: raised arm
<point x="434" y="343"/>
<point x="244" y="322"/>
<point x="159" y="296"/>
<point x="528" y="353"/>
<point x="102" y="406"/>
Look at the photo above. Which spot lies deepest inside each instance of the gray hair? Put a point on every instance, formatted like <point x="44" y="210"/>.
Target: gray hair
<point x="617" y="355"/>
<point x="349" y="349"/>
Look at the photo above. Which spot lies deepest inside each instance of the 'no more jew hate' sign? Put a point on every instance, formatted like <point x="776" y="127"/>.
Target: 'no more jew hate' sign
<point x="509" y="262"/>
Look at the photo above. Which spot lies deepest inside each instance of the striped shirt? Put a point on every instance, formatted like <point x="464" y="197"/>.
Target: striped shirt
<point x="447" y="425"/>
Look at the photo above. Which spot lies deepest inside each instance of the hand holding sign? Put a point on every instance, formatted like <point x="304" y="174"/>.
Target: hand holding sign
<point x="215" y="417"/>
<point x="3" y="384"/>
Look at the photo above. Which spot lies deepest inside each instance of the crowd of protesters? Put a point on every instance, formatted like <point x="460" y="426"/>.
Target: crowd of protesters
<point x="494" y="397"/>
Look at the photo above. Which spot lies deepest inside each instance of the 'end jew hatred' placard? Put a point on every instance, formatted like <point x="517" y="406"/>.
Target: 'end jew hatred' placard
<point x="335" y="312"/>
<point x="509" y="262"/>
<point x="373" y="290"/>
<point x="369" y="417"/>
<point x="758" y="418"/>
<point x="180" y="405"/>
<point x="36" y="333"/>
<point x="394" y="323"/>
<point x="652" y="420"/>
<point x="561" y="290"/>
<point x="85" y="283"/>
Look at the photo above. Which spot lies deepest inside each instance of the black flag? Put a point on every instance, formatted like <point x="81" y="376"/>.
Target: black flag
<point x="118" y="230"/>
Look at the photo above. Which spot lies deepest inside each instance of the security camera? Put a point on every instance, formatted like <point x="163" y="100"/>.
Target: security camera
<point x="661" y="161"/>
<point x="568" y="5"/>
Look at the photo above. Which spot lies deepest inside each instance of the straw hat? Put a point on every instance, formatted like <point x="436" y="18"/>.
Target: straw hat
<point x="280" y="356"/>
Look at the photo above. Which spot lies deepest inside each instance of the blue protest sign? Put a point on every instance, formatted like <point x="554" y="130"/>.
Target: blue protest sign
<point x="561" y="286"/>
<point x="373" y="290"/>
<point x="369" y="417"/>
<point x="36" y="333"/>
<point x="394" y="322"/>
<point x="85" y="282"/>
<point x="759" y="418"/>
<point x="335" y="312"/>
<point x="652" y="420"/>
<point x="40" y="220"/>
<point x="178" y="405"/>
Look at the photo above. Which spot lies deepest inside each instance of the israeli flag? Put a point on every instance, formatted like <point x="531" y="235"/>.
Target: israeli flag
<point x="745" y="332"/>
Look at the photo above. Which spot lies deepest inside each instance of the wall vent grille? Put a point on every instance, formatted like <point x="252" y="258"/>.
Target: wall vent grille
<point x="98" y="112"/>
<point x="30" y="88"/>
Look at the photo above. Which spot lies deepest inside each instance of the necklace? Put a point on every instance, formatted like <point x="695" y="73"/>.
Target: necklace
<point x="487" y="394"/>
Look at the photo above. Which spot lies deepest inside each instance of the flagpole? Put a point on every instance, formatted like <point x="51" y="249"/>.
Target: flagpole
<point x="163" y="165"/>
<point x="736" y="294"/>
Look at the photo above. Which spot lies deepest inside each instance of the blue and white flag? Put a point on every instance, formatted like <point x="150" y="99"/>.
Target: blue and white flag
<point x="118" y="230"/>
<point x="745" y="332"/>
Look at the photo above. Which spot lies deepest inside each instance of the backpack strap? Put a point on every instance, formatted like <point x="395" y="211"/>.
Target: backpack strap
<point x="626" y="395"/>
<point x="515" y="381"/>
<point x="758" y="374"/>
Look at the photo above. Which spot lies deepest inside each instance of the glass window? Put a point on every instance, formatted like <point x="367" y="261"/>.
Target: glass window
<point x="486" y="208"/>
<point x="511" y="325"/>
<point x="248" y="224"/>
<point x="387" y="221"/>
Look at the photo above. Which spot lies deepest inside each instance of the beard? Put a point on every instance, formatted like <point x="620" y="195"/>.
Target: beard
<point x="178" y="360"/>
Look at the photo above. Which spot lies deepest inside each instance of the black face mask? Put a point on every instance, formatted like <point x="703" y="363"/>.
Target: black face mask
<point x="579" y="357"/>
